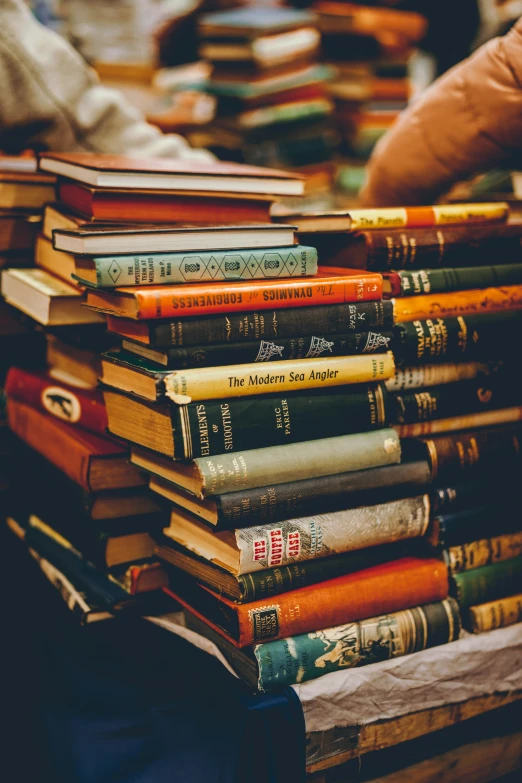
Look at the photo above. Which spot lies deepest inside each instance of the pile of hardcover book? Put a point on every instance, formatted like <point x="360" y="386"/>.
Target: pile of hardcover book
<point x="255" y="394"/>
<point x="455" y="397"/>
<point x="370" y="50"/>
<point x="273" y="107"/>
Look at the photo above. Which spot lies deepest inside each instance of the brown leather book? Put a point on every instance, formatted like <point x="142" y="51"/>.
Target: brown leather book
<point x="389" y="587"/>
<point x="93" y="462"/>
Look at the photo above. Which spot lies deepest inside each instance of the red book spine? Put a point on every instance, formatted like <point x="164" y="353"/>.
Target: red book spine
<point x="83" y="408"/>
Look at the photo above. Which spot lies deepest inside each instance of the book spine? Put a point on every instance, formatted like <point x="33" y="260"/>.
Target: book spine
<point x="64" y="452"/>
<point x="437" y="281"/>
<point x="444" y="401"/>
<point x="320" y="494"/>
<point x="451" y="305"/>
<point x="488" y="583"/>
<point x="211" y="428"/>
<point x="261" y="585"/>
<point x="79" y="407"/>
<point x="323" y="535"/>
<point x="248" y="379"/>
<point x="240" y="296"/>
<point x="486" y="551"/>
<point x="273" y="324"/>
<point x="169" y="268"/>
<point x="399" y="217"/>
<point x="307" y="656"/>
<point x="468" y="453"/>
<point x="419" y="377"/>
<point x="282" y="349"/>
<point x="281" y="464"/>
<point x="469" y="421"/>
<point x="495" y="614"/>
<point x="386" y="588"/>
<point x="458" y="497"/>
<point x="453" y="339"/>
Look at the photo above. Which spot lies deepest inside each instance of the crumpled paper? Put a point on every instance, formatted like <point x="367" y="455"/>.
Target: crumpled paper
<point x="475" y="665"/>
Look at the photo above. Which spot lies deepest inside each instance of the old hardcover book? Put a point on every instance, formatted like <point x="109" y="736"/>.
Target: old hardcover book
<point x="493" y="418"/>
<point x="459" y="496"/>
<point x="307" y="656"/>
<point x="494" y="614"/>
<point x="245" y="550"/>
<point x="18" y="229"/>
<point x="252" y="23"/>
<point x="261" y="585"/>
<point x="57" y="216"/>
<point x="72" y="364"/>
<point x="453" y="528"/>
<point x="56" y="262"/>
<point x="397" y="217"/>
<point x="302" y="497"/>
<point x="25" y="190"/>
<point x="488" y="583"/>
<point x="106" y="238"/>
<point x="81" y="407"/>
<point x="419" y="377"/>
<point x="434" y="281"/>
<point x="472" y="302"/>
<point x="247" y="379"/>
<point x="127" y="206"/>
<point x="119" y="171"/>
<point x="489" y="336"/>
<point x="351" y="18"/>
<point x="93" y="462"/>
<point x="454" y="399"/>
<point x="274" y="465"/>
<point x="232" y="328"/>
<point x="284" y="348"/>
<point x="485" y="551"/>
<point x="265" y="51"/>
<point x="385" y="588"/>
<point x="215" y="427"/>
<point x="151" y="302"/>
<point x="421" y="248"/>
<point x="202" y="267"/>
<point x="464" y="455"/>
<point x="141" y="377"/>
<point x="46" y="298"/>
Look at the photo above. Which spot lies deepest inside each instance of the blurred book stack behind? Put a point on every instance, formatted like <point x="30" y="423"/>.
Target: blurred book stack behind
<point x="273" y="104"/>
<point x="298" y="429"/>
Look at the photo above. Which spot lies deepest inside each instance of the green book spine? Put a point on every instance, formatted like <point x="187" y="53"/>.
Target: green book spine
<point x="434" y="281"/>
<point x="279" y="464"/>
<point x="308" y="656"/>
<point x="453" y="399"/>
<point x="215" y="427"/>
<point x="169" y="268"/>
<point x="488" y="583"/>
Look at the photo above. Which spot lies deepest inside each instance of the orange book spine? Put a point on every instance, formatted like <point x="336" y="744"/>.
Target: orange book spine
<point x="194" y="300"/>
<point x="389" y="587"/>
<point x="456" y="303"/>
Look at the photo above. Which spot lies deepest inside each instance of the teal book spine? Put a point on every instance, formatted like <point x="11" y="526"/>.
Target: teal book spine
<point x="308" y="656"/>
<point x="202" y="267"/>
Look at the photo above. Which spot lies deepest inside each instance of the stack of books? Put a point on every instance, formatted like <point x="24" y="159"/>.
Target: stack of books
<point x="273" y="107"/>
<point x="454" y="276"/>
<point x="293" y="524"/>
<point x="370" y="49"/>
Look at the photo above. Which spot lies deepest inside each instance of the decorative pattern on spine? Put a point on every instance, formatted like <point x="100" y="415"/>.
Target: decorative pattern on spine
<point x="476" y="554"/>
<point x="307" y="656"/>
<point x="495" y="614"/>
<point x="327" y="534"/>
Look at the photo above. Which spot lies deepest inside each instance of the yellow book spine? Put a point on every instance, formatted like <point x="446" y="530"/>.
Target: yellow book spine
<point x="468" y="421"/>
<point x="476" y="554"/>
<point x="244" y="380"/>
<point x="421" y="217"/>
<point x="451" y="305"/>
<point x="495" y="614"/>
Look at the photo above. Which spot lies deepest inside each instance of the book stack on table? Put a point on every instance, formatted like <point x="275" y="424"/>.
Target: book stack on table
<point x="457" y="300"/>
<point x="370" y="50"/>
<point x="273" y="107"/>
